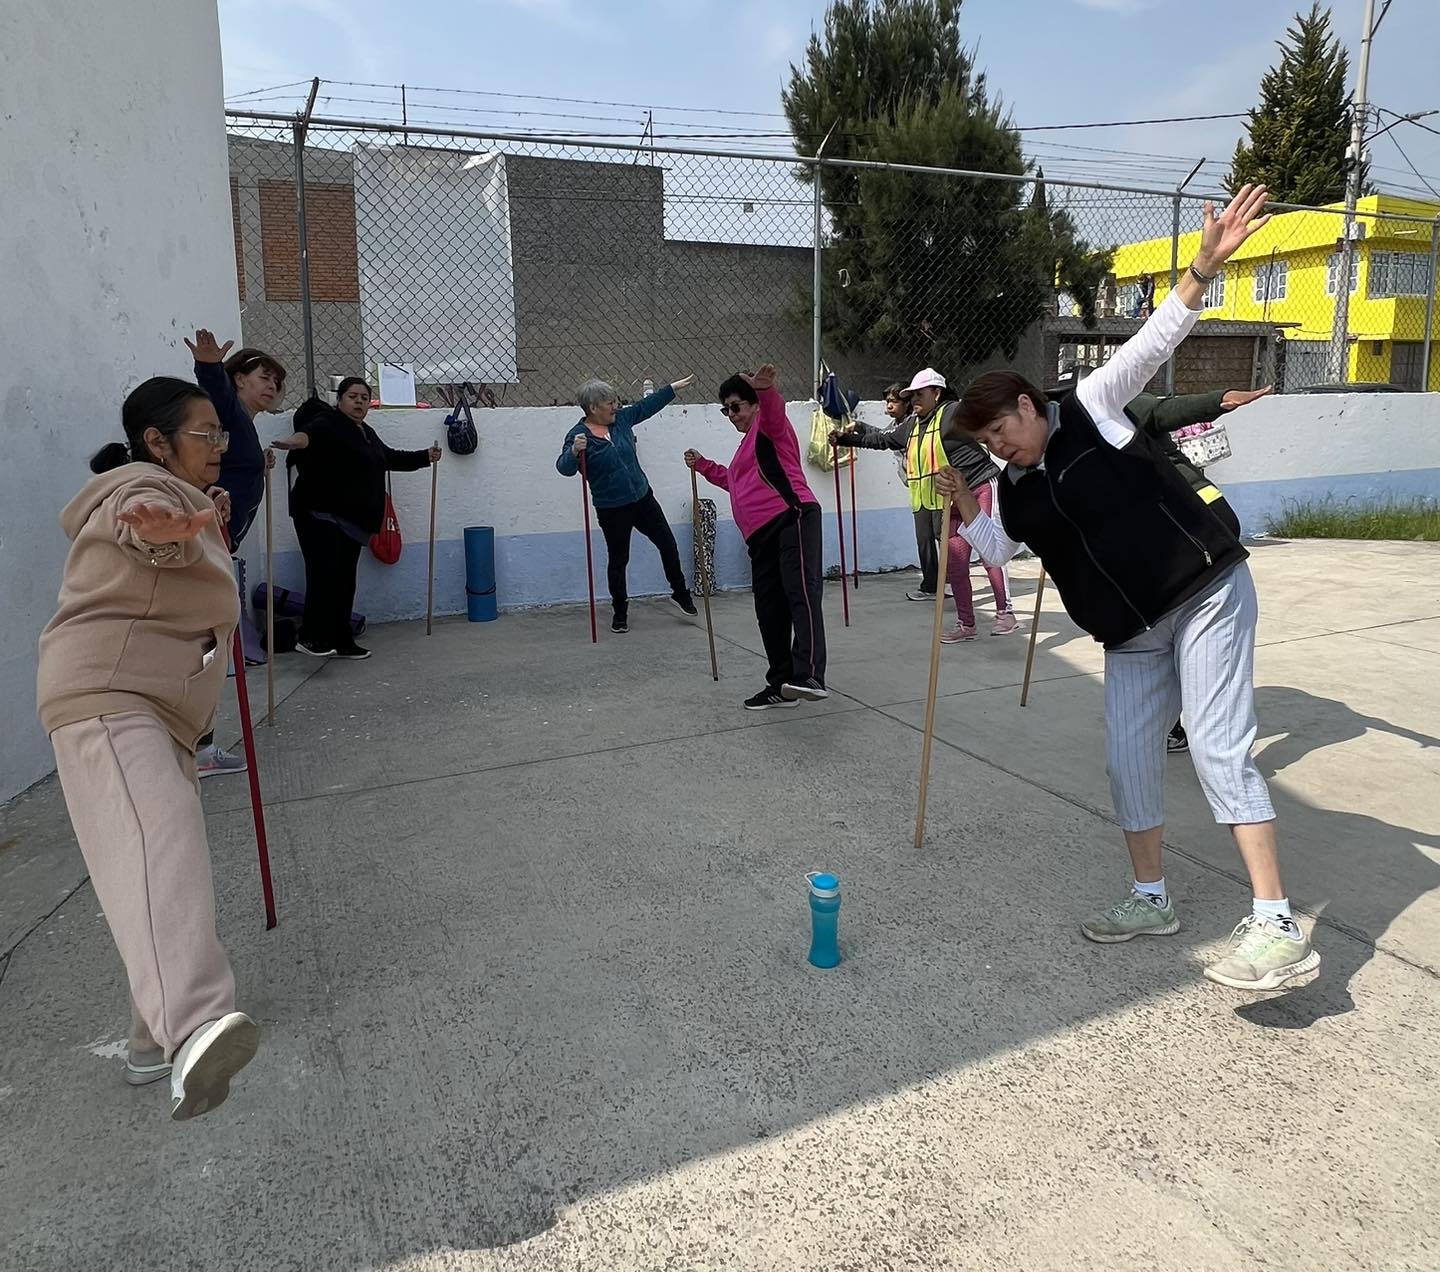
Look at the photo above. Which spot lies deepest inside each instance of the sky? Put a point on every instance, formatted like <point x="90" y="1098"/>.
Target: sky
<point x="1053" y="61"/>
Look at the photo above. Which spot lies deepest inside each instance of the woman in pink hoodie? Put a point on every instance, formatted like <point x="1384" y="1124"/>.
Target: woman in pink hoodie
<point x="779" y="517"/>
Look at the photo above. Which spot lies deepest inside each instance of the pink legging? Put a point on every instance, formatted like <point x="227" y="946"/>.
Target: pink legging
<point x="957" y="571"/>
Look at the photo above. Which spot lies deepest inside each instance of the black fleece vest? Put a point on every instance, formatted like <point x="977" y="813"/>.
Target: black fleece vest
<point x="1120" y="532"/>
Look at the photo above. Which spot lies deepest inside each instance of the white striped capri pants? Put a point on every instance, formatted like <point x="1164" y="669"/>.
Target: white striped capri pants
<point x="1199" y="658"/>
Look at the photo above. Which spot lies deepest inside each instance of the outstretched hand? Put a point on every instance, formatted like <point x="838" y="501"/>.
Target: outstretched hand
<point x="762" y="379"/>
<point x="161" y="523"/>
<point x="684" y="382"/>
<point x="1224" y="232"/>
<point x="1237" y="398"/>
<point x="205" y="349"/>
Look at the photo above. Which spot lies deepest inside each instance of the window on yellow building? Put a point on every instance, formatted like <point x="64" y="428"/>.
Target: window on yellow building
<point x="1215" y="293"/>
<point x="1399" y="274"/>
<point x="1332" y="274"/>
<point x="1272" y="281"/>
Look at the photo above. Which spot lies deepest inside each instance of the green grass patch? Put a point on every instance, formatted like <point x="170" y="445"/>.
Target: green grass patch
<point x="1405" y="519"/>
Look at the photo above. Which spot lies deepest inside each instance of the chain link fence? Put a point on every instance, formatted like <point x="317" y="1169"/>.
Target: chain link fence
<point x="520" y="267"/>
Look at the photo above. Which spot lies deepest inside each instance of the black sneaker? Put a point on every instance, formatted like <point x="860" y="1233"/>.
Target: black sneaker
<point x="315" y="651"/>
<point x="353" y="652"/>
<point x="1177" y="743"/>
<point x="619" y="624"/>
<point x="767" y="698"/>
<point x="811" y="690"/>
<point x="685" y="601"/>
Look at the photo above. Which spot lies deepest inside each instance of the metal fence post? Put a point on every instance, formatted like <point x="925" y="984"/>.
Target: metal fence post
<point x="1430" y="307"/>
<point x="1174" y="281"/>
<point x="1175" y="260"/>
<point x="815" y="289"/>
<point x="301" y="127"/>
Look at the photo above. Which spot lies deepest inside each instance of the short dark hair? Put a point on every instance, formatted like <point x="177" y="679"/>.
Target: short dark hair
<point x="244" y="361"/>
<point x="162" y="403"/>
<point x="897" y="391"/>
<point x="349" y="382"/>
<point x="738" y="386"/>
<point x="989" y="396"/>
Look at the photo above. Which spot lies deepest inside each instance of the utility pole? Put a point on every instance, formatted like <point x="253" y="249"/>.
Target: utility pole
<point x="1354" y="162"/>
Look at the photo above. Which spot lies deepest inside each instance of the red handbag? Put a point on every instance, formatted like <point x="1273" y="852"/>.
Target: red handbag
<point x="387" y="544"/>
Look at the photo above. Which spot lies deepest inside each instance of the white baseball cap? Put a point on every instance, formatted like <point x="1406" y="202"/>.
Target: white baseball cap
<point x="929" y="378"/>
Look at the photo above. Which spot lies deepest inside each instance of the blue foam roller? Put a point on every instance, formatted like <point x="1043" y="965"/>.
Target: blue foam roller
<point x="480" y="574"/>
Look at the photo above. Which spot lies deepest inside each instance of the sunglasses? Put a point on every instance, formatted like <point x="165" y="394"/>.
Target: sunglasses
<point x="732" y="407"/>
<point x="218" y="438"/>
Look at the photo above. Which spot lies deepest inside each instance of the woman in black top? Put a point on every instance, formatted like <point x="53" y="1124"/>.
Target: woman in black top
<point x="337" y="503"/>
<point x="1145" y="567"/>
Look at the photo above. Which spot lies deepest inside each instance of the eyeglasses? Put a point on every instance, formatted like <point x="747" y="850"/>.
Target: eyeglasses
<point x="218" y="438"/>
<point x="732" y="408"/>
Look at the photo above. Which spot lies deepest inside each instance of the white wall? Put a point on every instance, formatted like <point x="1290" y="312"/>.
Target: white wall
<point x="1365" y="446"/>
<point x="1306" y="446"/>
<point x="115" y="238"/>
<point x="510" y="483"/>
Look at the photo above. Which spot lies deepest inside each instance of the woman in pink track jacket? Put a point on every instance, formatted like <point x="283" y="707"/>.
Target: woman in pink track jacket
<point x="779" y="517"/>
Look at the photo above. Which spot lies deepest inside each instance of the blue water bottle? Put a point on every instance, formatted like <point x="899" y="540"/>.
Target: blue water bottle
<point x="824" y="919"/>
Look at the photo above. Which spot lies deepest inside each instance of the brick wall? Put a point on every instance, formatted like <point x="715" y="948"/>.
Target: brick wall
<point x="330" y="232"/>
<point x="239" y="242"/>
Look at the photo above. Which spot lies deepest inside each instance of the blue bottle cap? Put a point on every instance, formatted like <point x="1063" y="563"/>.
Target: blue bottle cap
<point x="824" y="885"/>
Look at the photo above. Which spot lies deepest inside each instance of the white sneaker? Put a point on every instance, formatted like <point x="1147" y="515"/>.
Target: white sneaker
<point x="208" y="1059"/>
<point x="1264" y="954"/>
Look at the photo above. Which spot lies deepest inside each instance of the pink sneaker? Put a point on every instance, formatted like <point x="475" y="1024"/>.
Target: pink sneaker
<point x="1004" y="625"/>
<point x="958" y="633"/>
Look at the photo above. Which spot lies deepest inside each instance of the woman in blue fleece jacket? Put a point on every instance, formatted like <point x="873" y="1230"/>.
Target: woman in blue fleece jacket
<point x="619" y="488"/>
<point x="249" y="382"/>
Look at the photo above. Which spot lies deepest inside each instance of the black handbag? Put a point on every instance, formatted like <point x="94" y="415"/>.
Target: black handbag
<point x="460" y="425"/>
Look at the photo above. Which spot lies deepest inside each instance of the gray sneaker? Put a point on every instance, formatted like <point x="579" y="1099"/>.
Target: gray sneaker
<point x="1263" y="955"/>
<point x="211" y="761"/>
<point x="144" y="1067"/>
<point x="208" y="1059"/>
<point x="1132" y="917"/>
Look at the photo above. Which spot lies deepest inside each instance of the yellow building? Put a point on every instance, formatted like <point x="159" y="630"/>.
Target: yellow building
<point x="1287" y="274"/>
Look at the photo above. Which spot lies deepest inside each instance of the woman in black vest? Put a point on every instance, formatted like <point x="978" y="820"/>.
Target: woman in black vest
<point x="337" y="503"/>
<point x="1143" y="564"/>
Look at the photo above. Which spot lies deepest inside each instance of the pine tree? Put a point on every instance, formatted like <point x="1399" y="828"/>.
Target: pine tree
<point x="1301" y="128"/>
<point x="942" y="270"/>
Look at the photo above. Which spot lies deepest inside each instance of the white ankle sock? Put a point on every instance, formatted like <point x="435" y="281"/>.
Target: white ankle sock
<point x="1278" y="912"/>
<point x="1154" y="892"/>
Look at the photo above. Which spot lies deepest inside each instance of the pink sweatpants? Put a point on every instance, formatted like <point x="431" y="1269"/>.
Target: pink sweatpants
<point x="134" y="802"/>
<point x="957" y="570"/>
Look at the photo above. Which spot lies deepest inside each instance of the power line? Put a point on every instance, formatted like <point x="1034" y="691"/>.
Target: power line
<point x="1412" y="167"/>
<point x="711" y="110"/>
<point x="1133" y="123"/>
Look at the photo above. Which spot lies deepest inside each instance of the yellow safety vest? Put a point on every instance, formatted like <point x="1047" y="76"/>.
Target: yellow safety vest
<point x="924" y="457"/>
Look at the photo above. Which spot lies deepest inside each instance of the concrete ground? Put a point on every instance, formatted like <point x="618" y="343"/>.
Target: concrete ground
<point x="539" y="999"/>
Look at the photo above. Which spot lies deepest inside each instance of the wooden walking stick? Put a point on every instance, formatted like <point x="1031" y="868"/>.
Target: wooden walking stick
<point x="430" y="579"/>
<point x="854" y="524"/>
<point x="1034" y="628"/>
<point x="269" y="599"/>
<point x="934" y="677"/>
<point x="589" y="562"/>
<point x="704" y="573"/>
<point x="840" y="529"/>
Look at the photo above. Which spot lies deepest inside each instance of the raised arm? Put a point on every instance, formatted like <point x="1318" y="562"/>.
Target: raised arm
<point x="1107" y="391"/>
<point x="650" y="404"/>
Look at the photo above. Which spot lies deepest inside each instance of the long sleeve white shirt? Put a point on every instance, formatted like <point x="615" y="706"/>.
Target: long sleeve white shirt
<point x="1104" y="393"/>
